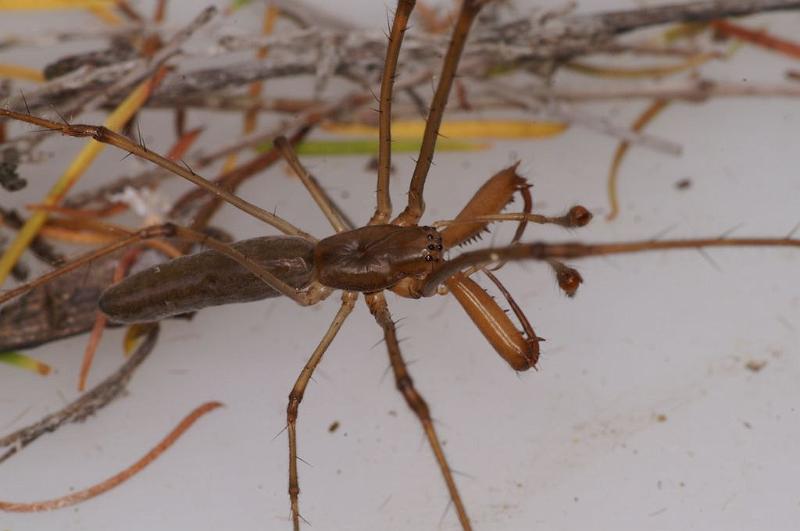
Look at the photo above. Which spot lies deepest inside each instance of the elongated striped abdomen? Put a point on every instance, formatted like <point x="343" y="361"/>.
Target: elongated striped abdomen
<point x="206" y="279"/>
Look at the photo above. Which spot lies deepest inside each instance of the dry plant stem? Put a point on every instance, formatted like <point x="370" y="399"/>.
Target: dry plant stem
<point x="693" y="90"/>
<point x="302" y="127"/>
<point x="250" y="118"/>
<point x="624" y="21"/>
<point x="159" y="58"/>
<point x="349" y="299"/>
<point x="553" y="111"/>
<point x="555" y="39"/>
<point x="39" y="247"/>
<point x="91" y="347"/>
<point x="160" y="12"/>
<point x="149" y="232"/>
<point x="329" y="209"/>
<point x="641" y="122"/>
<point x="759" y="38"/>
<point x="113" y="481"/>
<point x="87" y="404"/>
<point x="416" y="204"/>
<point x="89" y="231"/>
<point x="106" y="136"/>
<point x="380" y="310"/>
<point x="231" y="180"/>
<point x="384" y="205"/>
<point x="123" y="265"/>
<point x="57" y="37"/>
<point x="102" y="197"/>
<point x="566" y="251"/>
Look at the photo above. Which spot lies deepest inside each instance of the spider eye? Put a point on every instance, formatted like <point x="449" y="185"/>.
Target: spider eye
<point x="431" y="247"/>
<point x="428" y="258"/>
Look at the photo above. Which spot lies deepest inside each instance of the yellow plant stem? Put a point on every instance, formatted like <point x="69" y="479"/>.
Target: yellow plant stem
<point x="413" y="129"/>
<point x="641" y="122"/>
<point x="251" y="116"/>
<point x="29" y="5"/>
<point x="106" y="14"/>
<point x="21" y="72"/>
<point x="641" y="72"/>
<point x="115" y="121"/>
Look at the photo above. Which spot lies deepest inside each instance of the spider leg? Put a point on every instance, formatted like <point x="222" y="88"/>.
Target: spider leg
<point x="296" y="396"/>
<point x="416" y="206"/>
<point x="380" y="310"/>
<point x="335" y="216"/>
<point x="399" y="26"/>
<point x="168" y="230"/>
<point x="106" y="136"/>
<point x="550" y="252"/>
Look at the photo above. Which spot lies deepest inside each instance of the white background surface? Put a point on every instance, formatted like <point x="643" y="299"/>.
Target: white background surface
<point x="575" y="445"/>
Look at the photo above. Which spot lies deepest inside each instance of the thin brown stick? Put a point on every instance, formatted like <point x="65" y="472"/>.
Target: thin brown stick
<point x="302" y="127"/>
<point x="698" y="11"/>
<point x="759" y="38"/>
<point x="384" y="207"/>
<point x="106" y="136"/>
<point x="380" y="310"/>
<point x="113" y="481"/>
<point x="349" y="299"/>
<point x="229" y="181"/>
<point x="121" y="269"/>
<point x="91" y="347"/>
<point x="649" y="114"/>
<point x="156" y="58"/>
<point x="416" y="204"/>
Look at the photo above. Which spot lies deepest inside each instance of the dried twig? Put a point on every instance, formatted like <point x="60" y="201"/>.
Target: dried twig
<point x="87" y="404"/>
<point x="118" y="478"/>
<point x="537" y="43"/>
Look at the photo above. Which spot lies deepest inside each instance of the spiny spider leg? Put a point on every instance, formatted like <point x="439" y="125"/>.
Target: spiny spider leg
<point x="562" y="251"/>
<point x="335" y="216"/>
<point x="383" y="210"/>
<point x="416" y="205"/>
<point x="349" y="299"/>
<point x="106" y="136"/>
<point x="380" y="310"/>
<point x="229" y="181"/>
<point x="170" y="230"/>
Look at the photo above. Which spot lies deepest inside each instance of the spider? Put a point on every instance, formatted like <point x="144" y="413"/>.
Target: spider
<point x="573" y="319"/>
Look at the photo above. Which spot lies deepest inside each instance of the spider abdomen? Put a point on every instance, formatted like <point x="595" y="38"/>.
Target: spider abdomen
<point x="209" y="278"/>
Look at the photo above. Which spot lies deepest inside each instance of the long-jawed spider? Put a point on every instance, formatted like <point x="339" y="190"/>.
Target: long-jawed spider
<point x="462" y="354"/>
